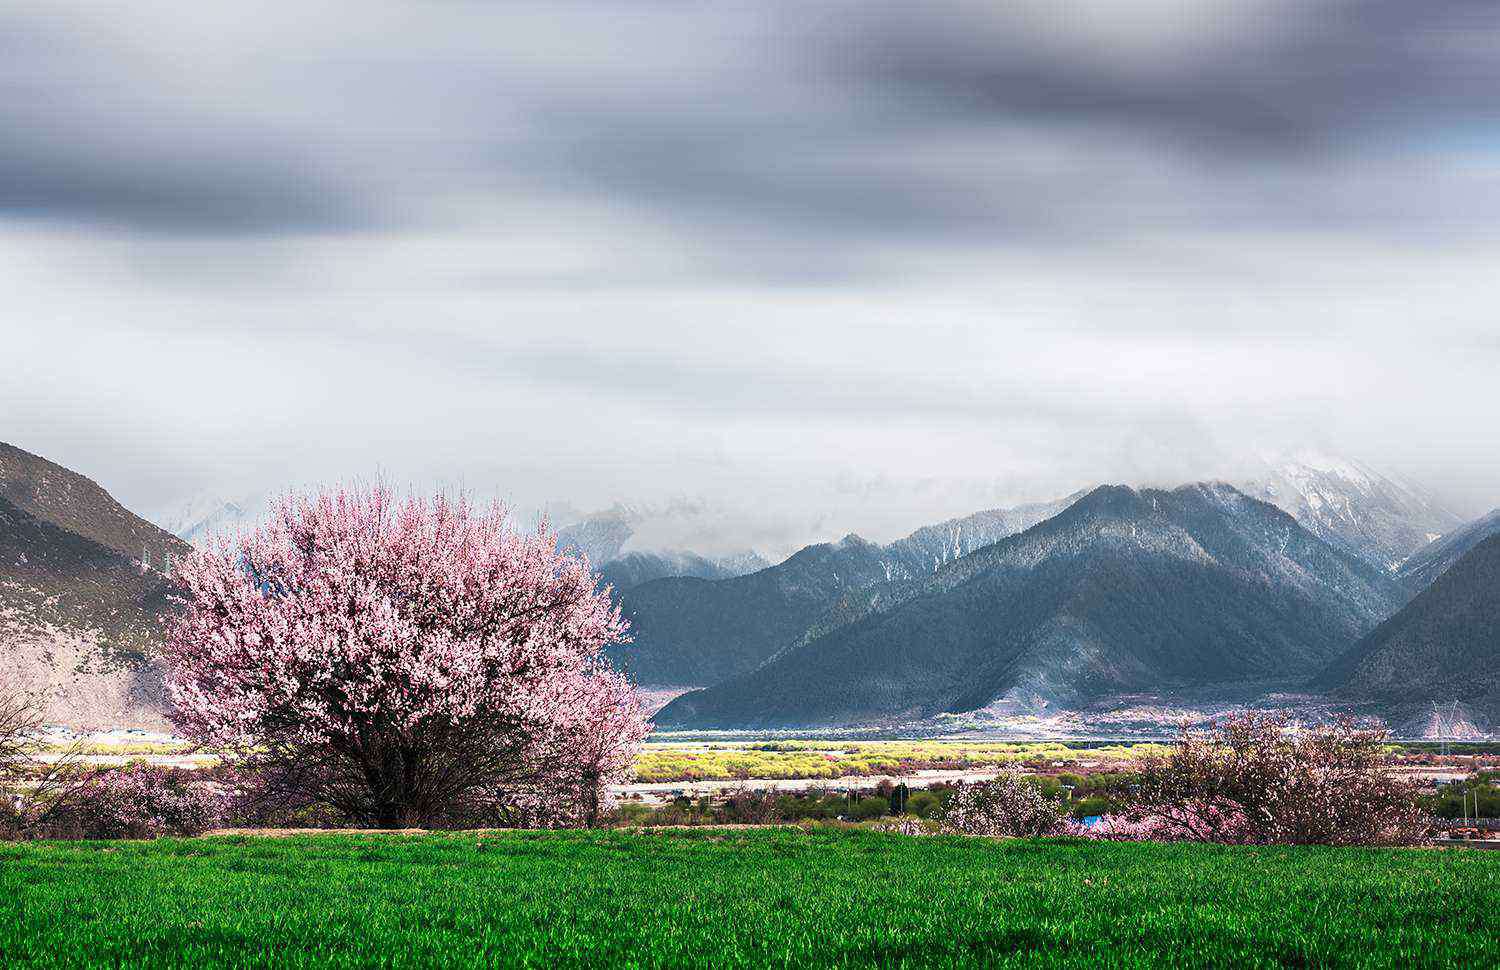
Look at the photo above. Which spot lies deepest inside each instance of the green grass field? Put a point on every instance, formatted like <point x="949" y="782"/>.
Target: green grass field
<point x="779" y="897"/>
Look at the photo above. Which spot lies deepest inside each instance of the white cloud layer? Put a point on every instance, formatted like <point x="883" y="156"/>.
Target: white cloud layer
<point x="828" y="267"/>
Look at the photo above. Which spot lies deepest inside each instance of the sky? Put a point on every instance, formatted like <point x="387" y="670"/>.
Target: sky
<point x="817" y="267"/>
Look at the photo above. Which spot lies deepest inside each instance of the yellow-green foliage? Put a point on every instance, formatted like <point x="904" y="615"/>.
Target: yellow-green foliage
<point x="123" y="749"/>
<point x="835" y="759"/>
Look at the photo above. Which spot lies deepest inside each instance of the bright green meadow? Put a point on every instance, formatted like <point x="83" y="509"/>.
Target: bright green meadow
<point x="778" y="898"/>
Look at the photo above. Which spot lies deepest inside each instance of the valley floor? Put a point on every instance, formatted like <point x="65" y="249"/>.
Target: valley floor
<point x="723" y="898"/>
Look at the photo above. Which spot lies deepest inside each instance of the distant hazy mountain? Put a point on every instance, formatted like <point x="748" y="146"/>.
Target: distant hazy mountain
<point x="631" y="569"/>
<point x="603" y="538"/>
<point x="82" y="592"/>
<point x="1123" y="591"/>
<point x="697" y="632"/>
<point x="1347" y="503"/>
<point x="1427" y="564"/>
<point x="205" y="516"/>
<point x="930" y="548"/>
<point x="1443" y="647"/>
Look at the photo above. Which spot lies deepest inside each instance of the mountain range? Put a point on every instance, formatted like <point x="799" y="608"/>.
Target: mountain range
<point x="1077" y="604"/>
<point x="1123" y="591"/>
<point x="604" y="536"/>
<point x="695" y="632"/>
<point x="1427" y="564"/>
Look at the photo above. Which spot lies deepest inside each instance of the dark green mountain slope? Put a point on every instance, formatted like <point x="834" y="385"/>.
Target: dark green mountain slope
<point x="1444" y="646"/>
<point x="1426" y="565"/>
<point x="700" y="631"/>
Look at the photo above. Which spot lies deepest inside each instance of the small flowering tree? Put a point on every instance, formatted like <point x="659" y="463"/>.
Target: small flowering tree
<point x="20" y="723"/>
<point x="140" y="801"/>
<point x="20" y="726"/>
<point x="1191" y="821"/>
<point x="1006" y="806"/>
<point x="32" y="789"/>
<point x="1252" y="778"/>
<point x="409" y="662"/>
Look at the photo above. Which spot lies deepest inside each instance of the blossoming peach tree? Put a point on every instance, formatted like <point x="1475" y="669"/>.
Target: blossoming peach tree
<point x="406" y="661"/>
<point x="1258" y="777"/>
<point x="1007" y="805"/>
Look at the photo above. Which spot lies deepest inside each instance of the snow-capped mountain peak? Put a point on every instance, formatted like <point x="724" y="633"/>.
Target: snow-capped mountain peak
<point x="1377" y="516"/>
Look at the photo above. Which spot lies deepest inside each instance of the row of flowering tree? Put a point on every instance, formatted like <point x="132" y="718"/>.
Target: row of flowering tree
<point x="1258" y="777"/>
<point x="1252" y="778"/>
<point x="405" y="661"/>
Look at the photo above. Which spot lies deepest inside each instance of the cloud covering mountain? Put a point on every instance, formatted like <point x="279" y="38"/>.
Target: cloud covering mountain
<point x="855" y="266"/>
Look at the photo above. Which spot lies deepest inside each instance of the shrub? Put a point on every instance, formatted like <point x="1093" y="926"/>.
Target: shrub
<point x="1121" y="828"/>
<point x="1091" y="805"/>
<point x="924" y="804"/>
<point x="140" y="801"/>
<point x="1253" y="778"/>
<point x="747" y="807"/>
<point x="1007" y="806"/>
<point x="904" y="825"/>
<point x="32" y="790"/>
<point x="20" y="724"/>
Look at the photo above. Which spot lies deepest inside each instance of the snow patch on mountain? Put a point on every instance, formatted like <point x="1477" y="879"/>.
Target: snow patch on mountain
<point x="1381" y="518"/>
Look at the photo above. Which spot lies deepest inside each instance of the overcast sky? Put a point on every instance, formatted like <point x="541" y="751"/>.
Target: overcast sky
<point x="821" y="266"/>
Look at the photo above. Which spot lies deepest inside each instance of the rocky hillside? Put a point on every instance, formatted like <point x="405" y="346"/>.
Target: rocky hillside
<point x="78" y="505"/>
<point x="1124" y="591"/>
<point x="82" y="592"/>
<point x="1442" y="647"/>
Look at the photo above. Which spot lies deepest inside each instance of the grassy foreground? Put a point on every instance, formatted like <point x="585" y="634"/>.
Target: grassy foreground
<point x="738" y="898"/>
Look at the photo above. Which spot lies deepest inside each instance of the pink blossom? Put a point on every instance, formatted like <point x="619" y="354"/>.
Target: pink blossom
<point x="1257" y="777"/>
<point x="405" y="660"/>
<point x="140" y="801"/>
<point x="1007" y="805"/>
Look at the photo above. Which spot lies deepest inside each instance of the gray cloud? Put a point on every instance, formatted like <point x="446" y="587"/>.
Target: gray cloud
<point x="840" y="120"/>
<point x="1264" y="79"/>
<point x="97" y="132"/>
